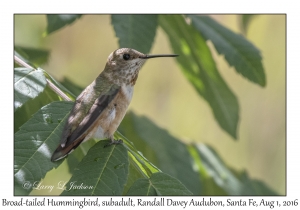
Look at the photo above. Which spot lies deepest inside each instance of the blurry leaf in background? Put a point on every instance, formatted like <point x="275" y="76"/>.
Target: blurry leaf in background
<point x="167" y="153"/>
<point x="208" y="184"/>
<point x="199" y="68"/>
<point x="258" y="187"/>
<point x="135" y="31"/>
<point x="55" y="22"/>
<point x="103" y="170"/>
<point x="35" y="142"/>
<point x="34" y="56"/>
<point x="71" y="86"/>
<point x="28" y="84"/>
<point x="216" y="169"/>
<point x="238" y="51"/>
<point x="158" y="184"/>
<point x="245" y="21"/>
<point x="227" y="180"/>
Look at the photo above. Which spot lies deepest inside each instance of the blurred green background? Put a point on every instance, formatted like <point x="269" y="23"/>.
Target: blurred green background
<point x="163" y="94"/>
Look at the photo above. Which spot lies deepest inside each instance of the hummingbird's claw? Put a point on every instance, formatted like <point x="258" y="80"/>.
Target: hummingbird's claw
<point x="113" y="141"/>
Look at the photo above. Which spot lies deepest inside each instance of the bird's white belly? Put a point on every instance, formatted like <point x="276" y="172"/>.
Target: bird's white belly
<point x="99" y="134"/>
<point x="128" y="91"/>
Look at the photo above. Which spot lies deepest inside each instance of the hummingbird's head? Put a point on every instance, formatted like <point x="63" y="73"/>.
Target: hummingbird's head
<point x="123" y="65"/>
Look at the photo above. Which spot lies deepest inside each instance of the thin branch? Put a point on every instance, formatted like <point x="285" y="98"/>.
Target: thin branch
<point x="22" y="63"/>
<point x="51" y="85"/>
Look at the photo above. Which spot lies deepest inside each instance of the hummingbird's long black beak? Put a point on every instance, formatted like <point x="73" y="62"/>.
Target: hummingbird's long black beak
<point x="156" y="56"/>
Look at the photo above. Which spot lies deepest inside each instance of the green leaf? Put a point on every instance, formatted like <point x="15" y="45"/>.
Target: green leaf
<point x="34" y="144"/>
<point x="208" y="184"/>
<point x="135" y="31"/>
<point x="162" y="149"/>
<point x="198" y="66"/>
<point x="25" y="112"/>
<point x="143" y="165"/>
<point x="28" y="84"/>
<point x="55" y="22"/>
<point x="133" y="175"/>
<point x="103" y="171"/>
<point x="216" y="168"/>
<point x="32" y="55"/>
<point x="158" y="184"/>
<point x="225" y="178"/>
<point x="78" y="154"/>
<point x="238" y="51"/>
<point x="256" y="187"/>
<point x="142" y="187"/>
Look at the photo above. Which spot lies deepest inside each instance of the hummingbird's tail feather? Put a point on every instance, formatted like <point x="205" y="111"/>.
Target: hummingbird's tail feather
<point x="60" y="153"/>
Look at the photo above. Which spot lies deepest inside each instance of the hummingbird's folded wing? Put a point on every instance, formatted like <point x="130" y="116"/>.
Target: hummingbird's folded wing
<point x="71" y="139"/>
<point x="87" y="123"/>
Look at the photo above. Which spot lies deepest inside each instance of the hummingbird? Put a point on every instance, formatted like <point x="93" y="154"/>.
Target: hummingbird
<point x="101" y="106"/>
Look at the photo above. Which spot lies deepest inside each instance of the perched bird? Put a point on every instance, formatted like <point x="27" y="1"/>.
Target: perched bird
<point x="100" y="108"/>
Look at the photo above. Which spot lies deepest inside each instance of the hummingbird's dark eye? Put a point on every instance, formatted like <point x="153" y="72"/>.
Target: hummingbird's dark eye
<point x="126" y="57"/>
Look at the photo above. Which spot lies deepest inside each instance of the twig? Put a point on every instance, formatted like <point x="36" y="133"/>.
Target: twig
<point x="51" y="85"/>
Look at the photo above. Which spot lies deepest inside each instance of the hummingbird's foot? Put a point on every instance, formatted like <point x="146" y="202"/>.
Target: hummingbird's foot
<point x="114" y="141"/>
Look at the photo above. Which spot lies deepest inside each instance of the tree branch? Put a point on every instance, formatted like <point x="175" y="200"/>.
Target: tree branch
<point x="51" y="85"/>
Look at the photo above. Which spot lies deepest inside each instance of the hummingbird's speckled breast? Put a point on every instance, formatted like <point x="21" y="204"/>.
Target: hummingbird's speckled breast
<point x="123" y="72"/>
